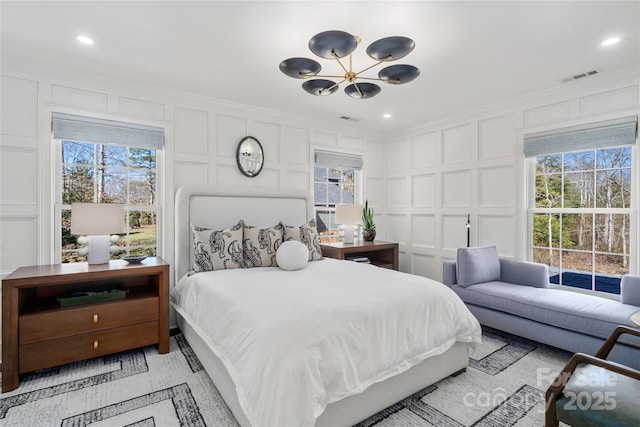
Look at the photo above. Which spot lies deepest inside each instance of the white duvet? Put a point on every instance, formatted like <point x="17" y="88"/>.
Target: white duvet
<point x="295" y="341"/>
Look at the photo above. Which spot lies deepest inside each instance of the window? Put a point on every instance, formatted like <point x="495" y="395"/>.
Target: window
<point x="581" y="210"/>
<point x="92" y="171"/>
<point x="336" y="181"/>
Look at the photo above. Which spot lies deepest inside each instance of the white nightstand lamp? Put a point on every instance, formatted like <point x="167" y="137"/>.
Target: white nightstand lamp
<point x="348" y="215"/>
<point x="97" y="221"/>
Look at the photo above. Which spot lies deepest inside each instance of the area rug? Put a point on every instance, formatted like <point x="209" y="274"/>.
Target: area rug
<point x="503" y="386"/>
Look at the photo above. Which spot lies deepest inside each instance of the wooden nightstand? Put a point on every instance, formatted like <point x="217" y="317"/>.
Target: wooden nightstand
<point x="382" y="254"/>
<point x="37" y="333"/>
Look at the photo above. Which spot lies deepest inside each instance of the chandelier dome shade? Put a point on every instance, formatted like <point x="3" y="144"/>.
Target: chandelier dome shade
<point x="320" y="87"/>
<point x="398" y="74"/>
<point x="300" y="68"/>
<point x="362" y="90"/>
<point x="333" y="42"/>
<point x="394" y="48"/>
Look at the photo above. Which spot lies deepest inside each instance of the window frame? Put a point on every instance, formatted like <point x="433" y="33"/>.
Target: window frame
<point x="634" y="227"/>
<point x="358" y="179"/>
<point x="58" y="206"/>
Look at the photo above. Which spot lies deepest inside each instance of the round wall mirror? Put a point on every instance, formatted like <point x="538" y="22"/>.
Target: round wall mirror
<point x="249" y="156"/>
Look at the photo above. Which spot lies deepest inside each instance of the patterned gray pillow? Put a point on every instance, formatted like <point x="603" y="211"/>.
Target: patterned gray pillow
<point x="308" y="235"/>
<point x="217" y="249"/>
<point x="260" y="245"/>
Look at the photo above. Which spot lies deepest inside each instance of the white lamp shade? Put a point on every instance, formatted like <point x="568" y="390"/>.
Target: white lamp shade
<point x="349" y="214"/>
<point x="95" y="219"/>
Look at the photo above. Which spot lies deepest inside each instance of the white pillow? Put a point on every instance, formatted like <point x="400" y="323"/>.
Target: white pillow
<point x="292" y="255"/>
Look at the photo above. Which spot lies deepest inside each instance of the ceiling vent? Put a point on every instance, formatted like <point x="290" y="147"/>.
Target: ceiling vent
<point x="580" y="76"/>
<point x="351" y="119"/>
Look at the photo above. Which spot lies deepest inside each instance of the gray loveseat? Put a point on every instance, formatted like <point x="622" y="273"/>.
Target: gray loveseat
<point x="515" y="296"/>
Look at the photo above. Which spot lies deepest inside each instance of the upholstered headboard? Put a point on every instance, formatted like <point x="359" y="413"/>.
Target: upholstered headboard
<point x="218" y="207"/>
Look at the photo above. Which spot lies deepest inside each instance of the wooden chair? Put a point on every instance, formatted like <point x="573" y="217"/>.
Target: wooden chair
<point x="602" y="393"/>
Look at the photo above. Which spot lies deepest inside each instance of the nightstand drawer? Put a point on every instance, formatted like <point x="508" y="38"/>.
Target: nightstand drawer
<point x="47" y="353"/>
<point x="79" y="320"/>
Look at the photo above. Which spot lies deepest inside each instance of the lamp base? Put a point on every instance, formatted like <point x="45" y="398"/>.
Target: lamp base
<point x="98" y="249"/>
<point x="348" y="235"/>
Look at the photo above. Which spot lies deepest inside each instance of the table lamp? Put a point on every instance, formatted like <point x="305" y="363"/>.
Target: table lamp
<point x="348" y="215"/>
<point x="97" y="221"/>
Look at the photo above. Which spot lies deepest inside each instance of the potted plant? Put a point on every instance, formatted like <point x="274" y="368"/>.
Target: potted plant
<point x="368" y="226"/>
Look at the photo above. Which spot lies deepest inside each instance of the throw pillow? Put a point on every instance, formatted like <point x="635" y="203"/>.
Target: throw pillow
<point x="477" y="265"/>
<point x="260" y="245"/>
<point x="217" y="249"/>
<point x="307" y="234"/>
<point x="292" y="255"/>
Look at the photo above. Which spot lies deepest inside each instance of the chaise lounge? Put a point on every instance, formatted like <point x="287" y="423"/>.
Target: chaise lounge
<point x="515" y="296"/>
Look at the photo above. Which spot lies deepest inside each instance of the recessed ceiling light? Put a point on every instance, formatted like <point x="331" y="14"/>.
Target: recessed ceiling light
<point x="386" y="116"/>
<point x="84" y="39"/>
<point x="609" y="42"/>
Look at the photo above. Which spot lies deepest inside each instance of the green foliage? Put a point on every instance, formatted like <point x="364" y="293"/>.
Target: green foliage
<point x="367" y="217"/>
<point x="67" y="237"/>
<point x="134" y="219"/>
<point x="541" y="231"/>
<point x="77" y="184"/>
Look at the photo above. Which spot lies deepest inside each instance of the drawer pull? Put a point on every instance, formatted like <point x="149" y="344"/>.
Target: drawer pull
<point x="95" y="344"/>
<point x="95" y="319"/>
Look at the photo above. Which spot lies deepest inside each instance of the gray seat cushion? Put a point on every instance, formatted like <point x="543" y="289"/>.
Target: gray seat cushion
<point x="577" y="312"/>
<point x="597" y="397"/>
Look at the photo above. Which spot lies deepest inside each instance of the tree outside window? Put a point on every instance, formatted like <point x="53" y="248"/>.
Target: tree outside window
<point x="581" y="217"/>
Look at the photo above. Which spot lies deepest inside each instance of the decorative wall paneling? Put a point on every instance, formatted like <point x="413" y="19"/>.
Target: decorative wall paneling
<point x="374" y="182"/>
<point x="423" y="190"/>
<point x="19" y="215"/>
<point x="471" y="163"/>
<point x="191" y="131"/>
<point x="138" y="108"/>
<point x="81" y="98"/>
<point x="547" y="114"/>
<point x="19" y="107"/>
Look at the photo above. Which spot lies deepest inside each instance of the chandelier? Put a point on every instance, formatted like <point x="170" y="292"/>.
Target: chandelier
<point x="339" y="44"/>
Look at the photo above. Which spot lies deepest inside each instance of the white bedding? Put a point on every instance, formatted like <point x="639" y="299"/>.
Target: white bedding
<point x="295" y="341"/>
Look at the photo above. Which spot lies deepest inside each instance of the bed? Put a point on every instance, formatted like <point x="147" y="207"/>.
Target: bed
<point x="330" y="344"/>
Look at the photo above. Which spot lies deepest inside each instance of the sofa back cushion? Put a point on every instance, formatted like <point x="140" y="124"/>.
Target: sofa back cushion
<point x="524" y="273"/>
<point x="477" y="265"/>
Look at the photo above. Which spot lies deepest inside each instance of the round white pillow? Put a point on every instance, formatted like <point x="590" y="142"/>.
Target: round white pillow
<point x="292" y="255"/>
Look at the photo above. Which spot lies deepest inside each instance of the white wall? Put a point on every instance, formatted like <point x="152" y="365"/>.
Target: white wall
<point x="472" y="163"/>
<point x="201" y="139"/>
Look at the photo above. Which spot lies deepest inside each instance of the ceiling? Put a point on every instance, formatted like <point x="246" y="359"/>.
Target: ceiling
<point x="469" y="53"/>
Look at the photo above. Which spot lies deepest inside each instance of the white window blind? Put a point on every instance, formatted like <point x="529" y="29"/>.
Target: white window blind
<point x="338" y="160"/>
<point x="610" y="133"/>
<point x="100" y="131"/>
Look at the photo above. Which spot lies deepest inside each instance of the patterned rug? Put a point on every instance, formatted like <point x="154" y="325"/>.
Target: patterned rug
<point x="503" y="386"/>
